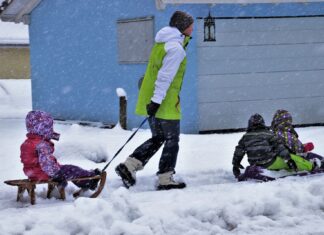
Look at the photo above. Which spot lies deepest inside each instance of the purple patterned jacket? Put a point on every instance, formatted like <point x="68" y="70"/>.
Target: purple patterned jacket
<point x="282" y="126"/>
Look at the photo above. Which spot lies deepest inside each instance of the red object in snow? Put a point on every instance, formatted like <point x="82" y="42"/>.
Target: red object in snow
<point x="308" y="147"/>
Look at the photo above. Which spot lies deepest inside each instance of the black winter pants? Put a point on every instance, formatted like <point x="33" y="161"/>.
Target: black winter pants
<point x="163" y="132"/>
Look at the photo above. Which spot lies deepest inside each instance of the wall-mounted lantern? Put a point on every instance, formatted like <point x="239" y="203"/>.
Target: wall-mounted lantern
<point x="209" y="28"/>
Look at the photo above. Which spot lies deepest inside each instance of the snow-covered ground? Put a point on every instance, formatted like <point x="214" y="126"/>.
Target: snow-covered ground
<point x="213" y="202"/>
<point x="12" y="33"/>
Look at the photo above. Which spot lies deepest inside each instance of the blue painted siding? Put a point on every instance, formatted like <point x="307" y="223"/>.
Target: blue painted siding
<point x="74" y="64"/>
<point x="75" y="71"/>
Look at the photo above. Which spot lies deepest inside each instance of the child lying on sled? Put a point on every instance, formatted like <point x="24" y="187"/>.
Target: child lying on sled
<point x="37" y="154"/>
<point x="282" y="126"/>
<point x="264" y="151"/>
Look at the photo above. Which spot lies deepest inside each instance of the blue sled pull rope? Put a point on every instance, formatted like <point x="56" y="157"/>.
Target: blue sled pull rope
<point x="131" y="137"/>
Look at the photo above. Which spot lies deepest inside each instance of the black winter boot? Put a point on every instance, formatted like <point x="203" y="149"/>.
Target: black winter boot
<point x="127" y="171"/>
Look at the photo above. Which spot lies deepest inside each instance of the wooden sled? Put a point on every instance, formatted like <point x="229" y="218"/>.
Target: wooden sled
<point x="30" y="186"/>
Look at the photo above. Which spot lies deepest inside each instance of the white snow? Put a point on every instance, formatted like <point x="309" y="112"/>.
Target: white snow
<point x="121" y="92"/>
<point x="15" y="98"/>
<point x="212" y="203"/>
<point x="12" y="33"/>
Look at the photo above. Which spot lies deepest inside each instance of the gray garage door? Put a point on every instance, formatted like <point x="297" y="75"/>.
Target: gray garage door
<point x="261" y="65"/>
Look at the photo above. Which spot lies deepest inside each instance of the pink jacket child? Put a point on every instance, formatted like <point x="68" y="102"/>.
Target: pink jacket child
<point x="37" y="154"/>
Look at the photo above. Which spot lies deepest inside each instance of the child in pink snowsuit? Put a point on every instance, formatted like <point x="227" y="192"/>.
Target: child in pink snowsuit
<point x="37" y="154"/>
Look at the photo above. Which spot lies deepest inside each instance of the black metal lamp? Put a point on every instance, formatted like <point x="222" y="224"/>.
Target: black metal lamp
<point x="209" y="28"/>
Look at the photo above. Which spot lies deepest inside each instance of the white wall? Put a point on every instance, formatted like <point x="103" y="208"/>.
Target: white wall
<point x="261" y="65"/>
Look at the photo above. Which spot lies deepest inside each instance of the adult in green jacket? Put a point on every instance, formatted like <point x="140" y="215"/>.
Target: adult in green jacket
<point x="159" y="99"/>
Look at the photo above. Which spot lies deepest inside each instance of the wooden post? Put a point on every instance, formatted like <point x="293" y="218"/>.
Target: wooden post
<point x="123" y="112"/>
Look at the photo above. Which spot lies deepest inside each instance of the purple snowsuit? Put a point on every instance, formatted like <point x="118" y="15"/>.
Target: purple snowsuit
<point x="39" y="147"/>
<point x="282" y="126"/>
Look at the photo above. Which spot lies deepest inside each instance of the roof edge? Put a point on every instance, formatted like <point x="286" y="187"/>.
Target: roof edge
<point x="161" y="4"/>
<point x="17" y="10"/>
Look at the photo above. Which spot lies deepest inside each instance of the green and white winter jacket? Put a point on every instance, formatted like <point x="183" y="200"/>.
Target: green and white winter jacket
<point x="164" y="74"/>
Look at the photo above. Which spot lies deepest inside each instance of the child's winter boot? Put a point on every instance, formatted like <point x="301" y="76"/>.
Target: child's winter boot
<point x="94" y="183"/>
<point x="167" y="182"/>
<point x="317" y="164"/>
<point x="127" y="171"/>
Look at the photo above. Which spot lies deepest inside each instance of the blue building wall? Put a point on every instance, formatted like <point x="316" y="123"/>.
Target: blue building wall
<point x="74" y="64"/>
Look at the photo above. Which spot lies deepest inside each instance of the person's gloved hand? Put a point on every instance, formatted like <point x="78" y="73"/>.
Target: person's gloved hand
<point x="55" y="136"/>
<point x="292" y="165"/>
<point x="152" y="108"/>
<point x="236" y="170"/>
<point x="97" y="171"/>
<point x="308" y="147"/>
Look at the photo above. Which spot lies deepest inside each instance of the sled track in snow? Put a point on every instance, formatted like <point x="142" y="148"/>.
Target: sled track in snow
<point x="203" y="178"/>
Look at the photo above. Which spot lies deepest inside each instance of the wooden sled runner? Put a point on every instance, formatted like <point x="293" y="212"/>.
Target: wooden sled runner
<point x="30" y="186"/>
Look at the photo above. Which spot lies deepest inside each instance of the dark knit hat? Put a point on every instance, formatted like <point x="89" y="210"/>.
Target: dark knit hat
<point x="181" y="20"/>
<point x="256" y="121"/>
